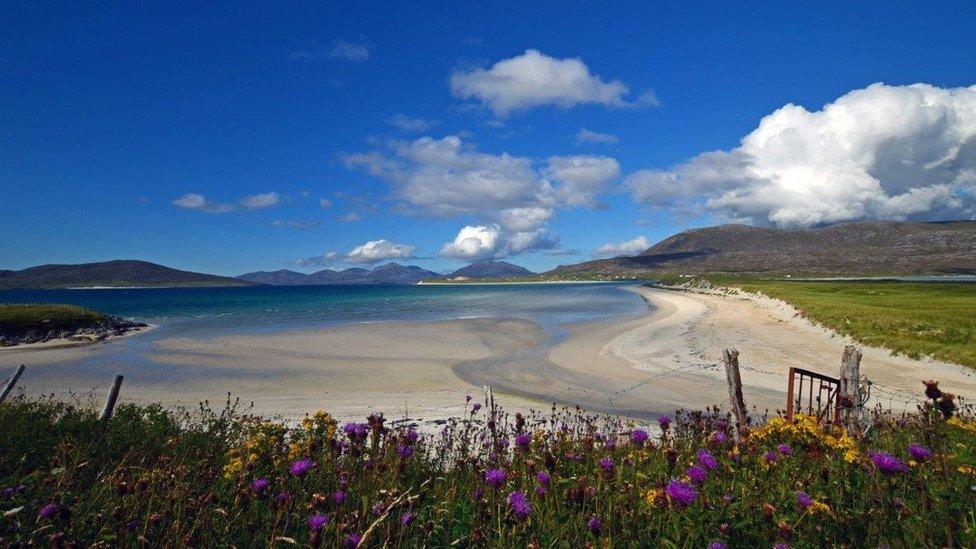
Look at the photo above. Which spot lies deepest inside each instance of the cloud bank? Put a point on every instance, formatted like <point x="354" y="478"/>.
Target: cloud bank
<point x="512" y="196"/>
<point x="882" y="152"/>
<point x="534" y="79"/>
<point x="375" y="251"/>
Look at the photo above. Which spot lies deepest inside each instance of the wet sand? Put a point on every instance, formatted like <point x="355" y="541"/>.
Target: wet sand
<point x="636" y="367"/>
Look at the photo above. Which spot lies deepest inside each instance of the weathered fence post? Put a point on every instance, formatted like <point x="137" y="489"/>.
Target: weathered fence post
<point x="11" y="382"/>
<point x="850" y="387"/>
<point x="113" y="396"/>
<point x="736" y="401"/>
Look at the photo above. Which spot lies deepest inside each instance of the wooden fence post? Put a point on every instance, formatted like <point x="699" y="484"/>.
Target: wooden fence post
<point x="850" y="387"/>
<point x="11" y="382"/>
<point x="736" y="401"/>
<point x="113" y="396"/>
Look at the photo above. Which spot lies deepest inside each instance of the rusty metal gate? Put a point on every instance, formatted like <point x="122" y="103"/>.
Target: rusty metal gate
<point x="813" y="394"/>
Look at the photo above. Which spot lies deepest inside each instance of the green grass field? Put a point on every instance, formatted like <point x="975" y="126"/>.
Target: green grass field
<point x="21" y="318"/>
<point x="910" y="318"/>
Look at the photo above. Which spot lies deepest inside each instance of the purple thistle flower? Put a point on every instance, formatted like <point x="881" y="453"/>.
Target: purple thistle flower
<point x="639" y="436"/>
<point x="594" y="524"/>
<point x="784" y="449"/>
<point x="49" y="511"/>
<point x="664" y="422"/>
<point x="607" y="465"/>
<point x="411" y="436"/>
<point x="706" y="459"/>
<point x="475" y="407"/>
<point x="404" y="450"/>
<point x="316" y="522"/>
<point x="781" y="545"/>
<point x="523" y="440"/>
<point x="770" y="456"/>
<point x="542" y="477"/>
<point x="8" y="492"/>
<point x="718" y="437"/>
<point x="495" y="477"/>
<point x="352" y="541"/>
<point x="717" y="545"/>
<point x="301" y="467"/>
<point x="540" y="491"/>
<point x="356" y="431"/>
<point x="804" y="500"/>
<point x="697" y="474"/>
<point x="378" y="508"/>
<point x="283" y="497"/>
<point x="259" y="485"/>
<point x="406" y="518"/>
<point x="519" y="504"/>
<point x="919" y="452"/>
<point x="887" y="463"/>
<point x="680" y="493"/>
<point x="339" y="497"/>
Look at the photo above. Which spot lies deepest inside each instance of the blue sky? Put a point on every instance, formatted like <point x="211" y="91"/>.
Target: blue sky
<point x="255" y="136"/>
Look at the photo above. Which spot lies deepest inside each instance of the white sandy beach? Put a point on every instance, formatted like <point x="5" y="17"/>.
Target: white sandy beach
<point x="639" y="367"/>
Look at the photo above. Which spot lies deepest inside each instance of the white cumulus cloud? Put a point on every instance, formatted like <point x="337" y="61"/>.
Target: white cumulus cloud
<point x="479" y="242"/>
<point x="513" y="198"/>
<point x="446" y="177"/>
<point x="442" y="177"/>
<point x="534" y="79"/>
<point x="583" y="178"/>
<point x="375" y="251"/>
<point x="882" y="152"/>
<point x="628" y="247"/>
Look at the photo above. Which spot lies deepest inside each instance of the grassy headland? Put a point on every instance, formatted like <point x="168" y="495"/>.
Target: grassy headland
<point x="910" y="318"/>
<point x="154" y="478"/>
<point x="18" y="319"/>
<point x="33" y="323"/>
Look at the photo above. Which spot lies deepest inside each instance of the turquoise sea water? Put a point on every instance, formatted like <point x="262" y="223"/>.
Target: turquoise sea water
<point x="207" y="312"/>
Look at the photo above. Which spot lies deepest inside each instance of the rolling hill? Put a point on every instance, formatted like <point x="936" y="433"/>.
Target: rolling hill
<point x="864" y="248"/>
<point x="119" y="273"/>
<point x="491" y="269"/>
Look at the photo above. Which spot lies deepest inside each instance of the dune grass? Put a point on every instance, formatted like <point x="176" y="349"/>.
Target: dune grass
<point x="909" y="318"/>
<point x="16" y="319"/>
<point x="153" y="478"/>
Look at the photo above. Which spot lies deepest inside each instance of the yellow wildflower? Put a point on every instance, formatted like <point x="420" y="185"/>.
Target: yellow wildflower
<point x="652" y="496"/>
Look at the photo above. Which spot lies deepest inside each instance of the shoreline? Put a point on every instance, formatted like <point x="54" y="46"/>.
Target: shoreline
<point x="62" y="343"/>
<point x="639" y="367"/>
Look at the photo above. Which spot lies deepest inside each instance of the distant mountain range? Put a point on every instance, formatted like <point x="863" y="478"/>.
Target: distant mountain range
<point x="865" y="248"/>
<point x="120" y="273"/>
<point x="391" y="273"/>
<point x="491" y="269"/>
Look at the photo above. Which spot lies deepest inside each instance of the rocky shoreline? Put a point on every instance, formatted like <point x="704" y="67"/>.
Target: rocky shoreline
<point x="110" y="326"/>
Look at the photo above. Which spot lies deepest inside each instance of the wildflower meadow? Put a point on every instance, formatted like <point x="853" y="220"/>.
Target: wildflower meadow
<point x="560" y="477"/>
